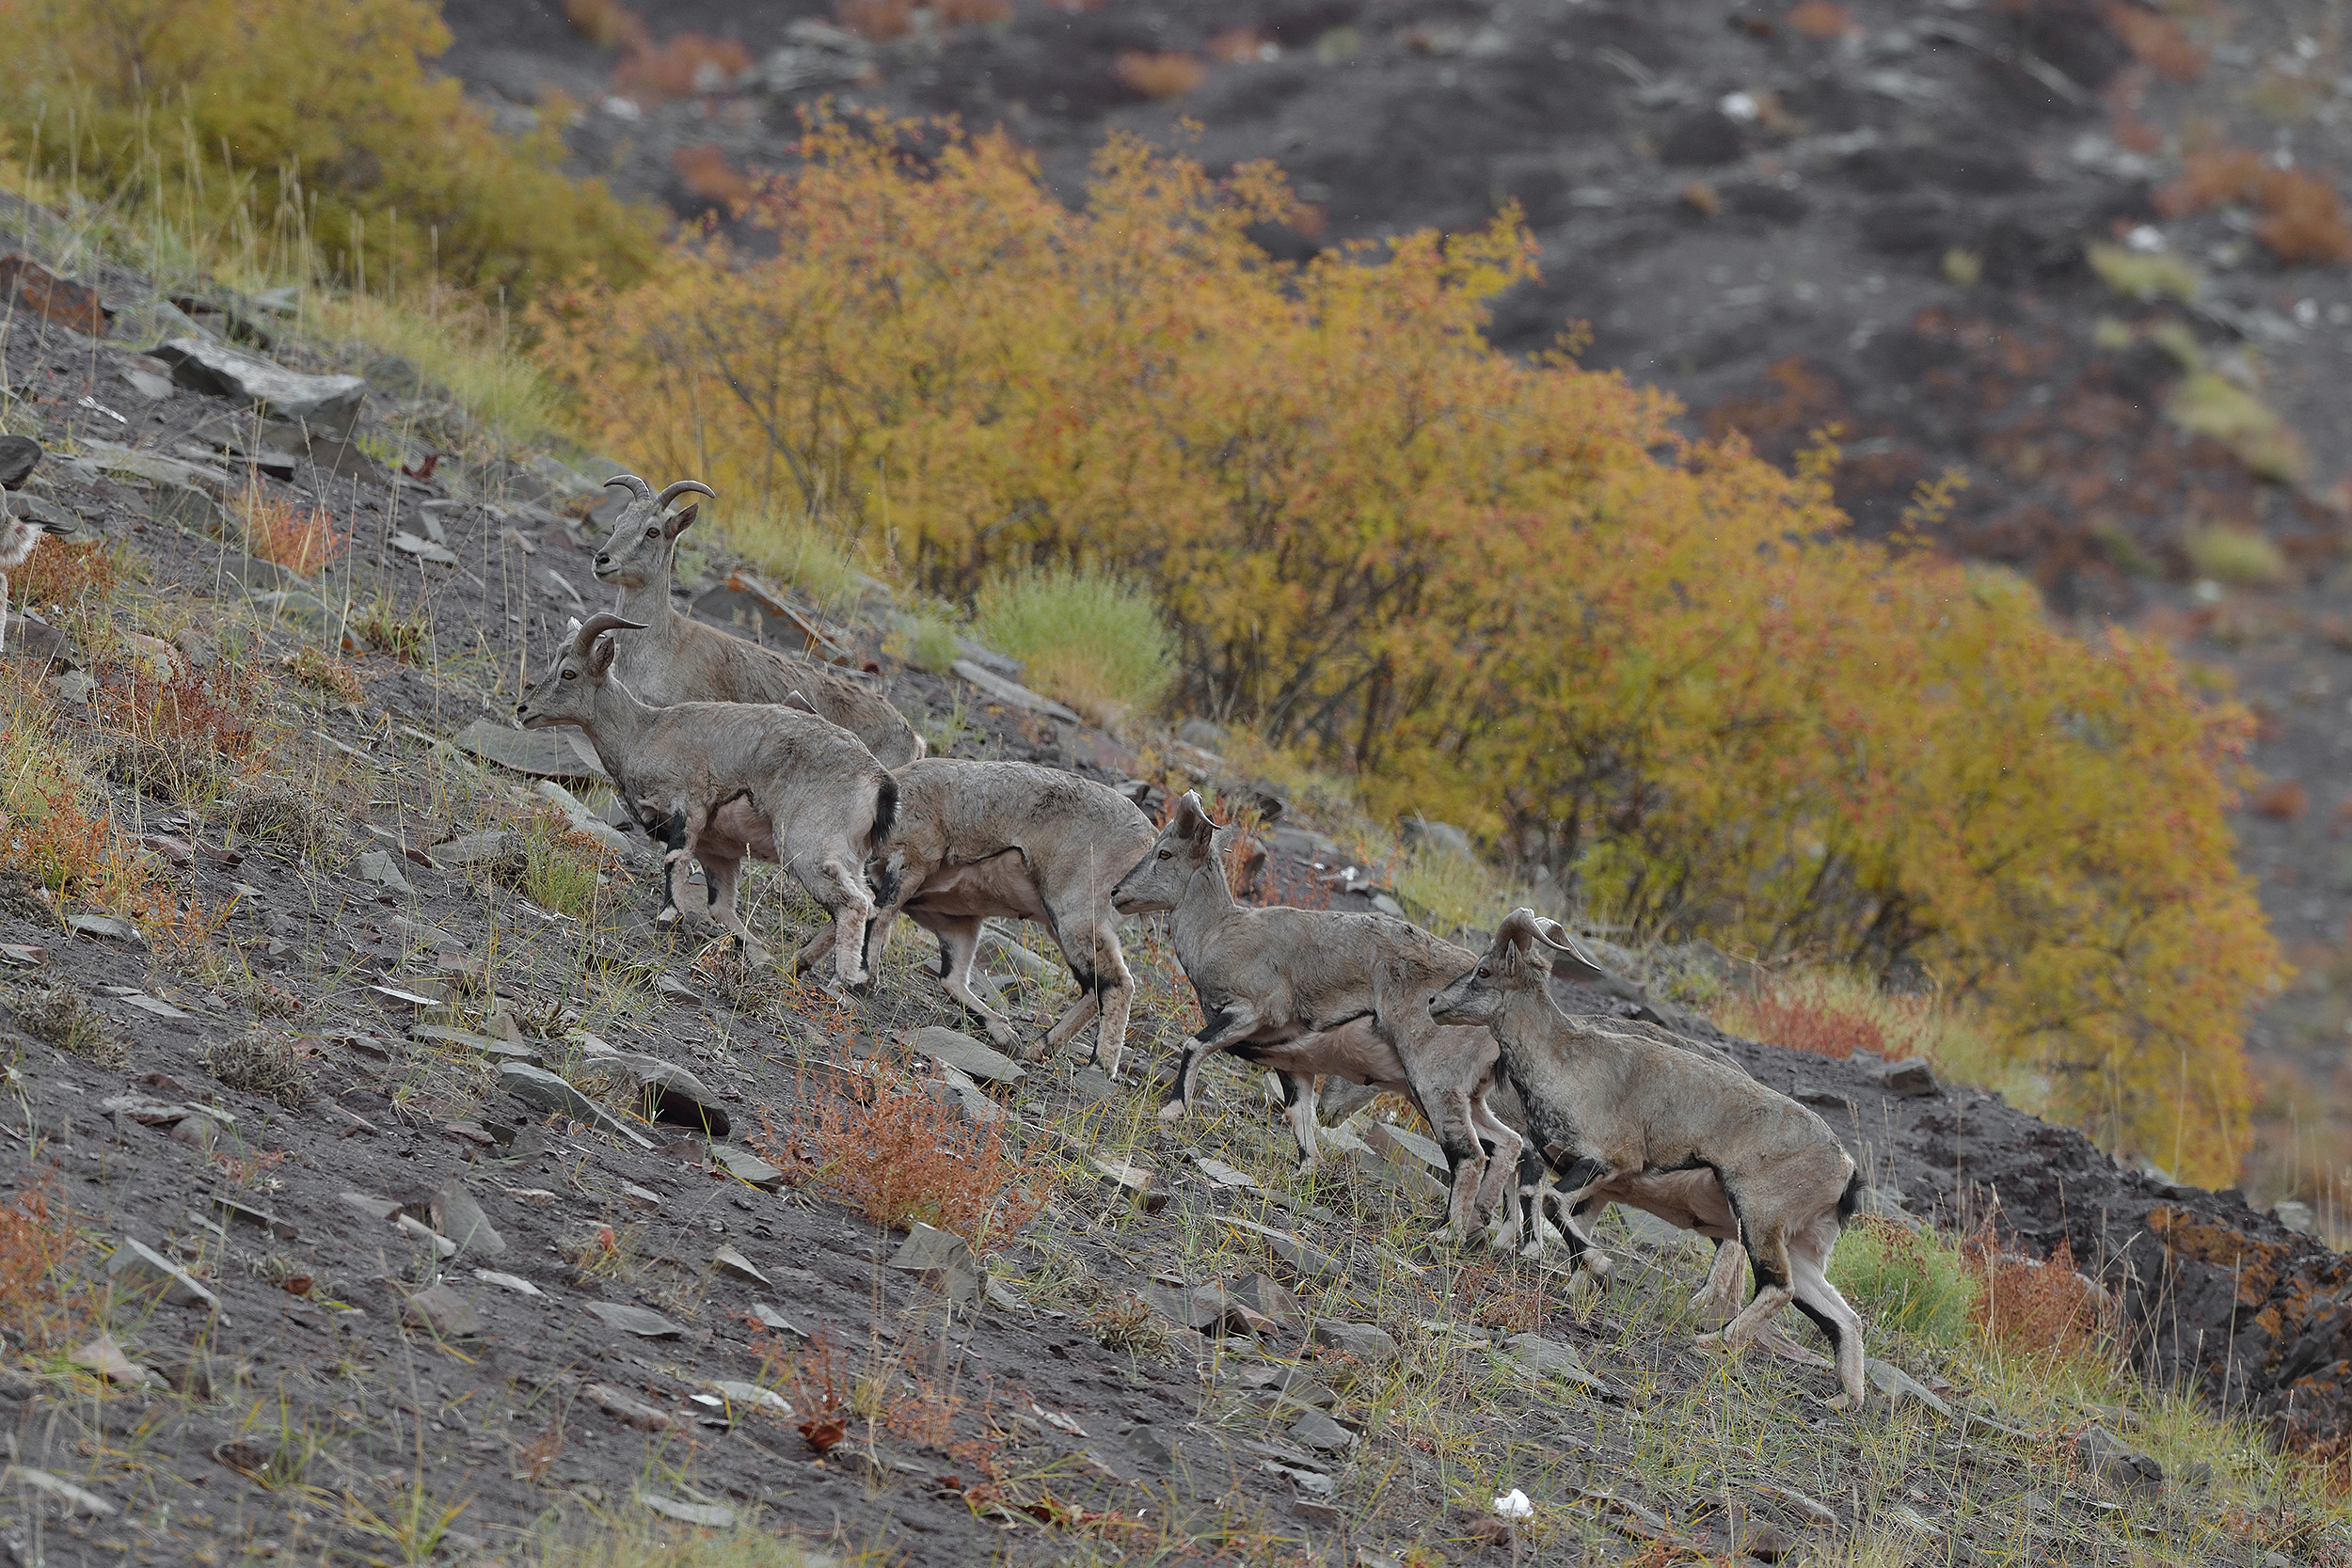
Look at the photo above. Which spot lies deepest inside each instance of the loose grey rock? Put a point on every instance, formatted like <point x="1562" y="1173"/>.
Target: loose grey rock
<point x="59" y="1487"/>
<point x="2124" y="1467"/>
<point x="733" y="1262"/>
<point x="1132" y="1184"/>
<point x="1315" y="1430"/>
<point x="1293" y="1254"/>
<point x="668" y="1093"/>
<point x="423" y="549"/>
<point x="457" y="1216"/>
<point x="515" y="1283"/>
<point x="1011" y="693"/>
<point x="967" y="1055"/>
<point x="541" y="1087"/>
<point x="1367" y="1342"/>
<point x="541" y="754"/>
<point x="1277" y="1305"/>
<point x="752" y="1395"/>
<point x="327" y="403"/>
<point x="138" y="1268"/>
<point x="261" y="1219"/>
<point x="487" y="848"/>
<point x="623" y="1408"/>
<point x="443" y="1311"/>
<point x="746" y="1166"/>
<point x="941" y="1259"/>
<point x="641" y="1321"/>
<point x="103" y="925"/>
<point x="1910" y="1080"/>
<point x="767" y="1317"/>
<point x="378" y="867"/>
<point x="1899" y="1386"/>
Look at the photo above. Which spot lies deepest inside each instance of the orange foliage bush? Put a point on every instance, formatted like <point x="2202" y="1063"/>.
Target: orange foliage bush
<point x="1170" y="74"/>
<point x="2284" y="801"/>
<point x="688" y="64"/>
<point x="983" y="13"/>
<point x="302" y="539"/>
<point x="2044" y="1307"/>
<point x="879" y="20"/>
<point x="1804" y="1023"/>
<point x="1505" y="591"/>
<point x="905" y="1156"/>
<point x="2302" y="216"/>
<point x="2157" y="41"/>
<point x="707" y="174"/>
<point x="63" y="572"/>
<point x="1820" y="18"/>
<point x="1238" y="46"/>
<point x="607" y="24"/>
<point x="37" y="1237"/>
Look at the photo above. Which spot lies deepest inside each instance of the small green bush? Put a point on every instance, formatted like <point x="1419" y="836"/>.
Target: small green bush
<point x="925" y="642"/>
<point x="1911" y="1281"/>
<point x="796" y="549"/>
<point x="2144" y="276"/>
<point x="1095" y="640"/>
<point x="2209" y="404"/>
<point x="2239" y="557"/>
<point x="1448" y="891"/>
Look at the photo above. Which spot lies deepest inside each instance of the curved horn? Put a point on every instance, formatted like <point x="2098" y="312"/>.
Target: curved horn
<point x="1517" y="928"/>
<point x="681" y="487"/>
<point x="600" y="623"/>
<point x="634" y="485"/>
<point x="1572" y="961"/>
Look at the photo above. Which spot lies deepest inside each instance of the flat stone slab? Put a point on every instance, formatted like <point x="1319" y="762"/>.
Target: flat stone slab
<point x="941" y="1259"/>
<point x="1367" y="1342"/>
<point x="746" y="1166"/>
<point x="1299" y="1256"/>
<point x="542" y="753"/>
<point x="138" y="1267"/>
<point x="1011" y="693"/>
<point x="1318" y="1432"/>
<point x="641" y="1321"/>
<point x="967" y="1055"/>
<point x="378" y="868"/>
<point x="730" y="1261"/>
<point x="541" y="1087"/>
<point x="328" y="402"/>
<point x="708" y="1515"/>
<point x="442" y="1311"/>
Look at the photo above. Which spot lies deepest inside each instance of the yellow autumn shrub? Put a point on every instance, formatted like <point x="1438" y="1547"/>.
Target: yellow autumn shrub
<point x="318" y="124"/>
<point x="1505" y="591"/>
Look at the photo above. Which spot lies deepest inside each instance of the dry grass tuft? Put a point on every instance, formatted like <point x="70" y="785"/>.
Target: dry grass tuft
<point x="37" y="1237"/>
<point x="2045" y="1307"/>
<point x="877" y="20"/>
<point x="1166" y="74"/>
<point x="705" y="168"/>
<point x="271" y="1066"/>
<point x="279" y="812"/>
<point x="906" y="1157"/>
<point x="607" y="24"/>
<point x="2157" y="41"/>
<point x="1830" y="1015"/>
<point x="1820" y="18"/>
<point x="304" y="540"/>
<point x="66" y="574"/>
<point x="2302" y="220"/>
<point x="404" y="634"/>
<point x="316" y="670"/>
<point x="1128" y="1324"/>
<point x="60" y="1017"/>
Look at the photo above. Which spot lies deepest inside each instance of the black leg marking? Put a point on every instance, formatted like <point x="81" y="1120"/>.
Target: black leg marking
<point x="1827" y="1324"/>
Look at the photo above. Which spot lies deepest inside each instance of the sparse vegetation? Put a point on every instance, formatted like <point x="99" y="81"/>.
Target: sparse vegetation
<point x="326" y="673"/>
<point x="1094" y="640"/>
<point x="2236" y="557"/>
<point x="2146" y="276"/>
<point x="2209" y="404"/>
<point x="1911" y="1281"/>
<point x="273" y="1066"/>
<point x="403" y="632"/>
<point x="61" y="1016"/>
<point x="2302" y="217"/>
<point x="564" y="869"/>
<point x="38" y="1236"/>
<point x="278" y="812"/>
<point x="299" y="537"/>
<point x="905" y="1156"/>
<point x="329" y="119"/>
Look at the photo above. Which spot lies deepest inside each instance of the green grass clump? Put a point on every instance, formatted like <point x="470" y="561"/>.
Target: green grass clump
<point x="2208" y="404"/>
<point x="1911" y="1281"/>
<point x="2238" y="556"/>
<point x="457" y="346"/>
<point x="925" y="642"/>
<point x="1095" y="640"/>
<point x="795" y="548"/>
<point x="562" y="866"/>
<point x="2145" y="276"/>
<point x="1448" y="891"/>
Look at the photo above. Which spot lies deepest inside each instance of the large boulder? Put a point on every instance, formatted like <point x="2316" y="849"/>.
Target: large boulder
<point x="325" y="403"/>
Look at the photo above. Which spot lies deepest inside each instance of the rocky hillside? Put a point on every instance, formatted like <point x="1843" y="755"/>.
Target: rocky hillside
<point x="1873" y="216"/>
<point x="390" y="1188"/>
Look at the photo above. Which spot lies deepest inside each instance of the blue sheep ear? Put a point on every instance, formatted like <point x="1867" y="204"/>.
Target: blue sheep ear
<point x="571" y="626"/>
<point x="795" y="699"/>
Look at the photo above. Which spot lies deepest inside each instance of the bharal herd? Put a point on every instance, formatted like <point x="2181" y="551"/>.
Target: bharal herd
<point x="721" y="749"/>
